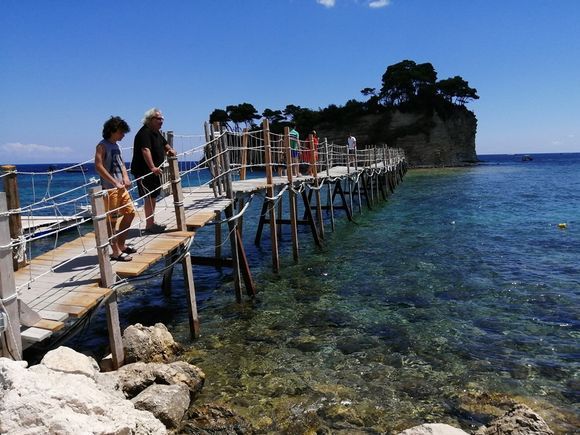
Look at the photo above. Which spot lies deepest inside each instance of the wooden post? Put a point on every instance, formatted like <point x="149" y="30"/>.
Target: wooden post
<point x="177" y="192"/>
<point x="10" y="337"/>
<point x="244" y="155"/>
<point x="330" y="193"/>
<point x="229" y="211"/>
<point x="356" y="156"/>
<point x="291" y="196"/>
<point x="107" y="277"/>
<point x="385" y="171"/>
<point x="218" y="234"/>
<point x="270" y="193"/>
<point x="14" y="219"/>
<point x="317" y="185"/>
<point x="207" y="154"/>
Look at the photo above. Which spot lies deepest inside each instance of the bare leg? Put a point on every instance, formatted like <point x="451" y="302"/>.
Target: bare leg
<point x="149" y="207"/>
<point x="123" y="227"/>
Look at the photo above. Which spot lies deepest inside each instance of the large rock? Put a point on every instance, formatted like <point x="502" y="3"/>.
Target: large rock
<point x="149" y="344"/>
<point x="134" y="378"/>
<point x="433" y="429"/>
<point x="64" y="359"/>
<point x="166" y="402"/>
<point x="520" y="420"/>
<point x="48" y="401"/>
<point x="428" y="140"/>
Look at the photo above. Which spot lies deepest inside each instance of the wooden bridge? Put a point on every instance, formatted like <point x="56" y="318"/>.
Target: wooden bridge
<point x="41" y="297"/>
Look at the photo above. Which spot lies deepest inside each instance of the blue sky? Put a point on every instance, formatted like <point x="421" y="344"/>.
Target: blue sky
<point x="67" y="65"/>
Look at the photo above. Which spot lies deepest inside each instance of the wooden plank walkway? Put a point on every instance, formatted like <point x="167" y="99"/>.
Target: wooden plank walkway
<point x="64" y="282"/>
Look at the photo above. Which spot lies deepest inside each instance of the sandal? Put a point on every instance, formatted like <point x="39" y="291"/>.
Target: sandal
<point x="129" y="249"/>
<point x="121" y="257"/>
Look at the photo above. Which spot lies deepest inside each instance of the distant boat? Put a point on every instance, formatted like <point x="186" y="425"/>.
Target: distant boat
<point x="527" y="158"/>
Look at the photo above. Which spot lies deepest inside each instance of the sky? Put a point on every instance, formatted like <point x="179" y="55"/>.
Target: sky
<point x="68" y="65"/>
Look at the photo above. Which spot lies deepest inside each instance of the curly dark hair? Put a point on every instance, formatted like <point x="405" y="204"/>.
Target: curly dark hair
<point x="115" y="123"/>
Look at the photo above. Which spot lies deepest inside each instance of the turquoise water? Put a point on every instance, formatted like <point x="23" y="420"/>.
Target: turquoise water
<point x="457" y="295"/>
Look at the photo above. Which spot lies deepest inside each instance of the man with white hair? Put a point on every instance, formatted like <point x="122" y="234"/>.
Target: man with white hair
<point x="149" y="150"/>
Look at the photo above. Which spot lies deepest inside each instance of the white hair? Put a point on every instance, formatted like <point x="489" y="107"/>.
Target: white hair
<point x="150" y="114"/>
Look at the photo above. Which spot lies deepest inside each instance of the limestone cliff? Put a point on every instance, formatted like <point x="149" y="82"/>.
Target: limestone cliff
<point x="428" y="140"/>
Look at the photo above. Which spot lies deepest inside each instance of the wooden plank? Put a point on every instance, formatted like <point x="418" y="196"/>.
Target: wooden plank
<point x="35" y="335"/>
<point x="53" y="315"/>
<point x="199" y="220"/>
<point x="51" y="325"/>
<point x="71" y="310"/>
<point x="80" y="299"/>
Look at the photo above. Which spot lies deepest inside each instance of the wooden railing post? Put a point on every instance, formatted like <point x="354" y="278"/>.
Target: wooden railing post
<point x="330" y="185"/>
<point x="291" y="195"/>
<point x="270" y="193"/>
<point x="107" y="278"/>
<point x="9" y="312"/>
<point x="313" y="155"/>
<point x="15" y="221"/>
<point x="177" y="192"/>
<point x="229" y="211"/>
<point x="244" y="154"/>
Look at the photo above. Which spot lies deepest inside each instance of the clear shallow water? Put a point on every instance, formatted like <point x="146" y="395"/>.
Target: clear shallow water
<point x="461" y="284"/>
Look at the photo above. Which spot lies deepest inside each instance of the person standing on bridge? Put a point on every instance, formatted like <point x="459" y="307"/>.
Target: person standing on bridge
<point x="351" y="148"/>
<point x="294" y="151"/>
<point x="115" y="179"/>
<point x="149" y="150"/>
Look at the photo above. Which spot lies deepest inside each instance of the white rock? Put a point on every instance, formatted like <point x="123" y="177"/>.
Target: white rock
<point x="433" y="429"/>
<point x="64" y="359"/>
<point x="167" y="402"/>
<point x="47" y="401"/>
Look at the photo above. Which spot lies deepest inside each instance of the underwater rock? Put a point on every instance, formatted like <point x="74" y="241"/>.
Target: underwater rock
<point x="433" y="429"/>
<point x="214" y="419"/>
<point x="520" y="420"/>
<point x="356" y="344"/>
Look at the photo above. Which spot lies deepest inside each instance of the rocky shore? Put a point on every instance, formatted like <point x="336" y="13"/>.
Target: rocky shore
<point x="154" y="393"/>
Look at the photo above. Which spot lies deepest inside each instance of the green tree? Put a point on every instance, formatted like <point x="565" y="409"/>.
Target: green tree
<point x="242" y="113"/>
<point x="456" y="90"/>
<point x="273" y="116"/>
<point x="219" y="115"/>
<point x="404" y="81"/>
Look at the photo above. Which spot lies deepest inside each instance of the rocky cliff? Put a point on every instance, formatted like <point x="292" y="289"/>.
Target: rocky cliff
<point x="428" y="140"/>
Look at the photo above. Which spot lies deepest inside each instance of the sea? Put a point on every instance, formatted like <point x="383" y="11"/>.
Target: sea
<point x="449" y="302"/>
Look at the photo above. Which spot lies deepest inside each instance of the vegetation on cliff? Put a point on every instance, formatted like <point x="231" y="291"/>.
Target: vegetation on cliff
<point x="406" y="87"/>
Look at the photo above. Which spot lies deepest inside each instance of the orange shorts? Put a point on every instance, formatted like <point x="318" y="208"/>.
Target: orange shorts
<point x="120" y="201"/>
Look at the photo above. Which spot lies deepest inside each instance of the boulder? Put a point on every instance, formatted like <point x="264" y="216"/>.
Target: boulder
<point x="149" y="344"/>
<point x="433" y="429"/>
<point x="42" y="400"/>
<point x="166" y="402"/>
<point x="64" y="359"/>
<point x="520" y="420"/>
<point x="136" y="377"/>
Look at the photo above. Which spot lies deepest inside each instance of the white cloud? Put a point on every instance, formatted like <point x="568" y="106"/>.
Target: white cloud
<point x="326" y="3"/>
<point x="34" y="152"/>
<point x="375" y="4"/>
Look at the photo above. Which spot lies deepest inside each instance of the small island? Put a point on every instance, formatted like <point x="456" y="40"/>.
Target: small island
<point x="412" y="110"/>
